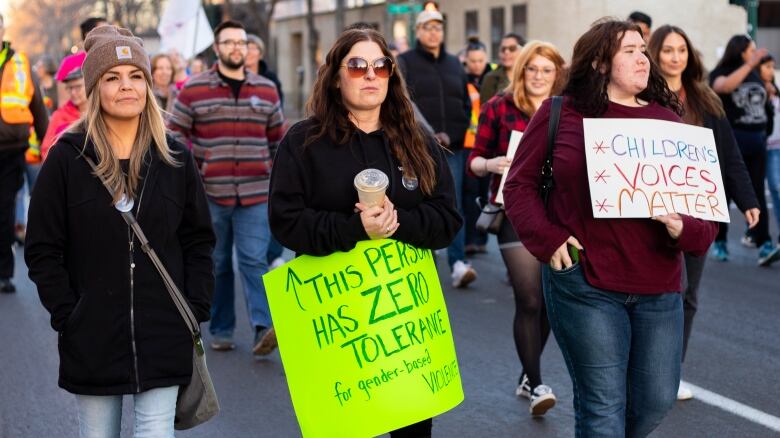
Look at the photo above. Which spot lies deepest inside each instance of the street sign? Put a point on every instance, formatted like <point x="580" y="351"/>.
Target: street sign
<point x="403" y="8"/>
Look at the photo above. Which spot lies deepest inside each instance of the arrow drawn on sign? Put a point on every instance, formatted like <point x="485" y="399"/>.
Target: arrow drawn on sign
<point x="293" y="278"/>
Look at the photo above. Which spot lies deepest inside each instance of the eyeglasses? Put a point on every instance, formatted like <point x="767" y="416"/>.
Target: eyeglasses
<point x="358" y="67"/>
<point x="546" y="72"/>
<point x="433" y="27"/>
<point x="232" y="44"/>
<point x="512" y="48"/>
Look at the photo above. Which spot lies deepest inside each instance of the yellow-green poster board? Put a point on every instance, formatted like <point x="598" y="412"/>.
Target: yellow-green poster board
<point x="365" y="339"/>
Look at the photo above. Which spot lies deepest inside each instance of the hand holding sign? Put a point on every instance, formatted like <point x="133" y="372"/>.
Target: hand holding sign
<point x="673" y="222"/>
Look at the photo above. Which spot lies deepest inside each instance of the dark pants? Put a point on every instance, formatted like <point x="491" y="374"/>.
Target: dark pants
<point x="416" y="430"/>
<point x="752" y="144"/>
<point x="622" y="351"/>
<point x="11" y="178"/>
<point x="474" y="188"/>
<point x="694" y="268"/>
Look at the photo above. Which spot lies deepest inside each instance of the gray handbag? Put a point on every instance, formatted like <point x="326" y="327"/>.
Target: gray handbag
<point x="197" y="402"/>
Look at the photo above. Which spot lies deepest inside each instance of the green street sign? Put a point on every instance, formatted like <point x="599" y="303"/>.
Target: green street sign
<point x="403" y="8"/>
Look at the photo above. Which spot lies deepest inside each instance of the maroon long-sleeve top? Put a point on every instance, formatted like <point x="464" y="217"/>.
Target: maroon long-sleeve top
<point x="634" y="256"/>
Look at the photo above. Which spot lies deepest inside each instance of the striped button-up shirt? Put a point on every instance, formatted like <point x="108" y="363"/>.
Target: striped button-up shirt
<point x="233" y="139"/>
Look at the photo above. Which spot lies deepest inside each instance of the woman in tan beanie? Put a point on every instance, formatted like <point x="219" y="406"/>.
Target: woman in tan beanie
<point x="119" y="331"/>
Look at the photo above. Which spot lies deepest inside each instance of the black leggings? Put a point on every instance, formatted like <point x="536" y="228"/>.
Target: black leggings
<point x="531" y="327"/>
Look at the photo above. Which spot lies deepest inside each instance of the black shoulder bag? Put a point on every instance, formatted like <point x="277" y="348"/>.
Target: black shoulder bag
<point x="552" y="132"/>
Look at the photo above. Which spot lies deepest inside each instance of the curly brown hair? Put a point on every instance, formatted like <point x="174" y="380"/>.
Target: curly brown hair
<point x="331" y="116"/>
<point x="591" y="65"/>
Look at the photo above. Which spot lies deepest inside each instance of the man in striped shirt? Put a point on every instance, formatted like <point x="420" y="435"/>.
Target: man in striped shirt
<point x="233" y="119"/>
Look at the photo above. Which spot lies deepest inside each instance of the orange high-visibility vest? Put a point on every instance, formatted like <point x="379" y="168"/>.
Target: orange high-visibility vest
<point x="16" y="91"/>
<point x="471" y="132"/>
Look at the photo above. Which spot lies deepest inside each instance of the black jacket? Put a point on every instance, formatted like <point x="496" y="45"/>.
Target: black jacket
<point x="263" y="70"/>
<point x="438" y="87"/>
<point x="732" y="168"/>
<point x="16" y="136"/>
<point x="312" y="201"/>
<point x="117" y="335"/>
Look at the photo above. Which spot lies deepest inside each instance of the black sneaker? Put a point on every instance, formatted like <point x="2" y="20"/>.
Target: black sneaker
<point x="6" y="286"/>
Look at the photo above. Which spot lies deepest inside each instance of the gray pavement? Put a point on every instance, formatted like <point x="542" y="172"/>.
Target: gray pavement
<point x="734" y="351"/>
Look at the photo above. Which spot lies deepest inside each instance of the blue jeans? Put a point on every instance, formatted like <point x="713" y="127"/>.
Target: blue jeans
<point x="457" y="162"/>
<point x="247" y="228"/>
<point x="30" y="175"/>
<point x="773" y="180"/>
<point x="100" y="416"/>
<point x="275" y="250"/>
<point x="622" y="351"/>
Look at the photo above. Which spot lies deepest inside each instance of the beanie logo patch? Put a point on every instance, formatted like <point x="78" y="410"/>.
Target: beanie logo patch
<point x="123" y="52"/>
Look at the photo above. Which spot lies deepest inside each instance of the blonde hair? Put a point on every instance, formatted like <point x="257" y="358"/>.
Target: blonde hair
<point x="151" y="129"/>
<point x="517" y="85"/>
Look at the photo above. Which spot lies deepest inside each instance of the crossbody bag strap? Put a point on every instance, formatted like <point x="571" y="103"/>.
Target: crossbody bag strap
<point x="178" y="299"/>
<point x="552" y="132"/>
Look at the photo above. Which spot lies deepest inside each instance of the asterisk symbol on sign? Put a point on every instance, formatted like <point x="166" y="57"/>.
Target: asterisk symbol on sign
<point x="602" y="176"/>
<point x="600" y="148"/>
<point x="603" y="206"/>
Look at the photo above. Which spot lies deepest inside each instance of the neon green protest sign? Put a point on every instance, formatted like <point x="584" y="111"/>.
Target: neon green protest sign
<point x="365" y="339"/>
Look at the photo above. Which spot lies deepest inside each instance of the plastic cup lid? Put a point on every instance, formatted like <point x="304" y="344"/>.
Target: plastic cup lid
<point x="371" y="179"/>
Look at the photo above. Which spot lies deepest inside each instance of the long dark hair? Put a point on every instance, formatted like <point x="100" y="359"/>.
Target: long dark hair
<point x="591" y="65"/>
<point x="732" y="56"/>
<point x="327" y="109"/>
<point x="699" y="98"/>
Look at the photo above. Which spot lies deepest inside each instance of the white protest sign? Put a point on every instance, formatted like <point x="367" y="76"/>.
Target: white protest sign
<point x="514" y="141"/>
<point x="639" y="168"/>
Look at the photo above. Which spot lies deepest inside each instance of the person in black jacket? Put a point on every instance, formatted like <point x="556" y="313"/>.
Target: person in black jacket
<point x="680" y="65"/>
<point x="119" y="330"/>
<point x="359" y="118"/>
<point x="437" y="83"/>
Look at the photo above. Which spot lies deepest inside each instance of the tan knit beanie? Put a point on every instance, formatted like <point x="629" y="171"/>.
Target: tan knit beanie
<point x="109" y="46"/>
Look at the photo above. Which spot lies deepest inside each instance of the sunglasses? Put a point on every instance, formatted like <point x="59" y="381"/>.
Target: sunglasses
<point x="358" y="67"/>
<point x="508" y="48"/>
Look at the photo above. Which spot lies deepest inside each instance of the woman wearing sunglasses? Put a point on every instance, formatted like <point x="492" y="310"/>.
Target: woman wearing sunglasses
<point x="498" y="79"/>
<point x="359" y="118"/>
<point x="537" y="73"/>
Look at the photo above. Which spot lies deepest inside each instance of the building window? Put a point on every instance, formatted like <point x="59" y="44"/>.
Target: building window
<point x="472" y="23"/>
<point x="520" y="20"/>
<point x="497" y="30"/>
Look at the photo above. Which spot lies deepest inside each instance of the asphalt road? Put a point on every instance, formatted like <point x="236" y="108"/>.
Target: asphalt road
<point x="734" y="352"/>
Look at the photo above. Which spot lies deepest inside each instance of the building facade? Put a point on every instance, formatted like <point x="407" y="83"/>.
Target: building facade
<point x="709" y="23"/>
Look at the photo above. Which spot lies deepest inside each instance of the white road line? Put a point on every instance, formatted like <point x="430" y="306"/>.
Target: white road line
<point x="735" y="407"/>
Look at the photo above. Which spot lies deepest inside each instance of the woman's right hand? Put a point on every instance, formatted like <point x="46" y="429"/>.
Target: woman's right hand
<point x="561" y="258"/>
<point x="379" y="222"/>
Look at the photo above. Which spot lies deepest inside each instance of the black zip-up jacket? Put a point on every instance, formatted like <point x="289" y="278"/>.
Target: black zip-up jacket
<point x="736" y="179"/>
<point x="438" y="87"/>
<point x="16" y="136"/>
<point x="119" y="333"/>
<point x="312" y="201"/>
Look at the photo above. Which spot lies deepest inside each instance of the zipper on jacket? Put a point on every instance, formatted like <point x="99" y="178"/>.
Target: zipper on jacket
<point x="131" y="238"/>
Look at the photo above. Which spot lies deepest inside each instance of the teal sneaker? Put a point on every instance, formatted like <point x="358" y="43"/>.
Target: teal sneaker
<point x="768" y="254"/>
<point x="719" y="251"/>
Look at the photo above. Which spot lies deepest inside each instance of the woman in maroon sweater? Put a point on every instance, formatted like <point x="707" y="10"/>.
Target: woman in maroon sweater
<point x="537" y="73"/>
<point x="617" y="313"/>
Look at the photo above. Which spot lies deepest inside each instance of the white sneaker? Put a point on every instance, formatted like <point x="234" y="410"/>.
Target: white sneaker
<point x="542" y="400"/>
<point x="684" y="392"/>
<point x="524" y="388"/>
<point x="276" y="263"/>
<point x="462" y="274"/>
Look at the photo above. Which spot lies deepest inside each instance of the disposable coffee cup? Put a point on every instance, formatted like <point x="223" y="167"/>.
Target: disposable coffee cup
<point x="371" y="185"/>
